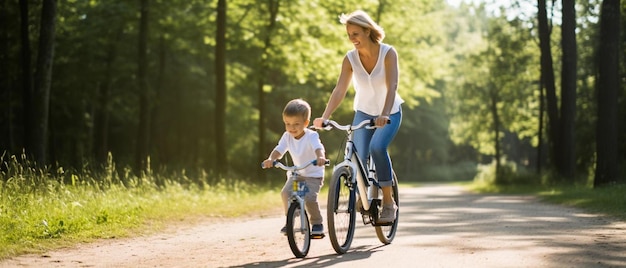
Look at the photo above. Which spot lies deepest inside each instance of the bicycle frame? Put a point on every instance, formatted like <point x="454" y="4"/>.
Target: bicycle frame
<point x="299" y="237"/>
<point x="354" y="162"/>
<point x="341" y="196"/>
<point x="298" y="189"/>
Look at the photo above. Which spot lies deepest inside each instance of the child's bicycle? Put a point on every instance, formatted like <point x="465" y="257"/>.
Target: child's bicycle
<point x="350" y="178"/>
<point x="298" y="226"/>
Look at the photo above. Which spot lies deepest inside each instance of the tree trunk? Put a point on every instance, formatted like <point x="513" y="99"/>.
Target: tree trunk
<point x="156" y="113"/>
<point x="567" y="167"/>
<point x="27" y="80"/>
<point x="541" y="126"/>
<point x="273" y="6"/>
<point x="6" y="81"/>
<point x="144" y="91"/>
<point x="220" y="92"/>
<point x="43" y="81"/>
<point x="496" y="134"/>
<point x="608" y="86"/>
<point x="547" y="78"/>
<point x="102" y="109"/>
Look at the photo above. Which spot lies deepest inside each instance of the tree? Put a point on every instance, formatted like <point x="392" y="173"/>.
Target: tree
<point x="27" y="78"/>
<point x="6" y="90"/>
<point x="273" y="7"/>
<point x="221" y="90"/>
<point x="547" y="80"/>
<point x="608" y="86"/>
<point x="566" y="161"/>
<point x="143" y="132"/>
<point x="497" y="97"/>
<point x="43" y="80"/>
<point x="108" y="35"/>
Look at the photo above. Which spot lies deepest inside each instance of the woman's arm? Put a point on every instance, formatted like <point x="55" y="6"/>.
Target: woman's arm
<point x="392" y="74"/>
<point x="339" y="92"/>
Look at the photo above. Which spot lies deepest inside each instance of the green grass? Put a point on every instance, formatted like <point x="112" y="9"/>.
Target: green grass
<point x="37" y="222"/>
<point x="40" y="211"/>
<point x="609" y="200"/>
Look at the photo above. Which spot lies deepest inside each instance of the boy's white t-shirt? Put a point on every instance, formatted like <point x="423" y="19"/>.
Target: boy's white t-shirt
<point x="302" y="151"/>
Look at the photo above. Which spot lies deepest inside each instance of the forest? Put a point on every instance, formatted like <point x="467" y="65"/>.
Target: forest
<point x="513" y="91"/>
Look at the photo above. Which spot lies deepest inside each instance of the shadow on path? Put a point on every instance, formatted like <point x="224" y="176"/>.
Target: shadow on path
<point x="510" y="223"/>
<point x="356" y="253"/>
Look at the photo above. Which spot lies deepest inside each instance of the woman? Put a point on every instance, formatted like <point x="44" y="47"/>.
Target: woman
<point x="373" y="68"/>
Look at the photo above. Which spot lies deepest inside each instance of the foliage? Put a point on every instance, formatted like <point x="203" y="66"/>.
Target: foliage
<point x="453" y="60"/>
<point x="510" y="174"/>
<point x="498" y="72"/>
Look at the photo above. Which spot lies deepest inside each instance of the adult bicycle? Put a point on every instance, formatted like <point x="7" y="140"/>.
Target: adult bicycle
<point x="298" y="227"/>
<point x="354" y="187"/>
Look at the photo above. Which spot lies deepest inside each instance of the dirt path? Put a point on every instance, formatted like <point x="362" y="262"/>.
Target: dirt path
<point x="440" y="226"/>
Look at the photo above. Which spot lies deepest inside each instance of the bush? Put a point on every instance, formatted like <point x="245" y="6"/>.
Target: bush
<point x="464" y="171"/>
<point x="509" y="174"/>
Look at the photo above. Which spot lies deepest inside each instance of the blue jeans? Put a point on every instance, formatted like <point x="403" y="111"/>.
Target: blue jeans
<point x="375" y="142"/>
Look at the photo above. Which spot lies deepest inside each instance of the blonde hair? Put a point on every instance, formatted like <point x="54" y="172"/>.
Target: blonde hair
<point x="360" y="18"/>
<point x="298" y="107"/>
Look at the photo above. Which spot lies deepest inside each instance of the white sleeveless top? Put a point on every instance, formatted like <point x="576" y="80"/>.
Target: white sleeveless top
<point x="371" y="89"/>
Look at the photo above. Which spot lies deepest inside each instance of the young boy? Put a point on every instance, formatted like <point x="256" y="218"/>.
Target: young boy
<point x="303" y="145"/>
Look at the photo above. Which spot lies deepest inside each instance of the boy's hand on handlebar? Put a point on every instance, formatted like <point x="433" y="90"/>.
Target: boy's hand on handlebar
<point x="321" y="161"/>
<point x="267" y="163"/>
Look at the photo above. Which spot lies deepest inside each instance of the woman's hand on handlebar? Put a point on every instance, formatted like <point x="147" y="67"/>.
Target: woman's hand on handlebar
<point x="319" y="122"/>
<point x="381" y="121"/>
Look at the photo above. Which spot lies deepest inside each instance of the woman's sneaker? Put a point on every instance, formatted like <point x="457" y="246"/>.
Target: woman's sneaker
<point x="389" y="213"/>
<point x="318" y="229"/>
<point x="284" y="230"/>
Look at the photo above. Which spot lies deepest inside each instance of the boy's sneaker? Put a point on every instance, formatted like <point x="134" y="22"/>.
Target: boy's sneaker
<point x="389" y="213"/>
<point x="284" y="230"/>
<point x="318" y="229"/>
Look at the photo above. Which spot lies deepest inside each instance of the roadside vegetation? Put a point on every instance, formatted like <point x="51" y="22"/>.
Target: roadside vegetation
<point x="609" y="200"/>
<point x="47" y="209"/>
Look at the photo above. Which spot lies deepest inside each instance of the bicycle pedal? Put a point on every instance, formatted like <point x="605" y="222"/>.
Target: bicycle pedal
<point x="319" y="236"/>
<point x="383" y="223"/>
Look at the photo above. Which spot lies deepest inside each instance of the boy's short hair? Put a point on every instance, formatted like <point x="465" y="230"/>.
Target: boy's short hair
<point x="298" y="107"/>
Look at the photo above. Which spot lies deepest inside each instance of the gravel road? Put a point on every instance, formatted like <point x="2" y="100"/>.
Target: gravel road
<point x="441" y="225"/>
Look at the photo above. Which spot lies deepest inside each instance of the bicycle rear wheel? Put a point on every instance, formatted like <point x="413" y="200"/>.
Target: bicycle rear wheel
<point x="298" y="234"/>
<point x="387" y="233"/>
<point x="340" y="212"/>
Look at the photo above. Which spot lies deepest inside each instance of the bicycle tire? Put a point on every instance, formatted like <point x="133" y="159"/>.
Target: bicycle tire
<point x="340" y="211"/>
<point x="387" y="233"/>
<point x="299" y="238"/>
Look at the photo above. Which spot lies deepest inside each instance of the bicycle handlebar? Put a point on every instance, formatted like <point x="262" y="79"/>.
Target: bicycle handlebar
<point x="367" y="123"/>
<point x="282" y="166"/>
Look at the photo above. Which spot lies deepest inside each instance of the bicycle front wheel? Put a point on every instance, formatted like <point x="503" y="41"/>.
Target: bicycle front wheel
<point x="298" y="231"/>
<point x="340" y="211"/>
<point x="387" y="233"/>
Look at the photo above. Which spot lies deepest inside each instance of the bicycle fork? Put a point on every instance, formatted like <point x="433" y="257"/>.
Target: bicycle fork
<point x="303" y="223"/>
<point x="299" y="188"/>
